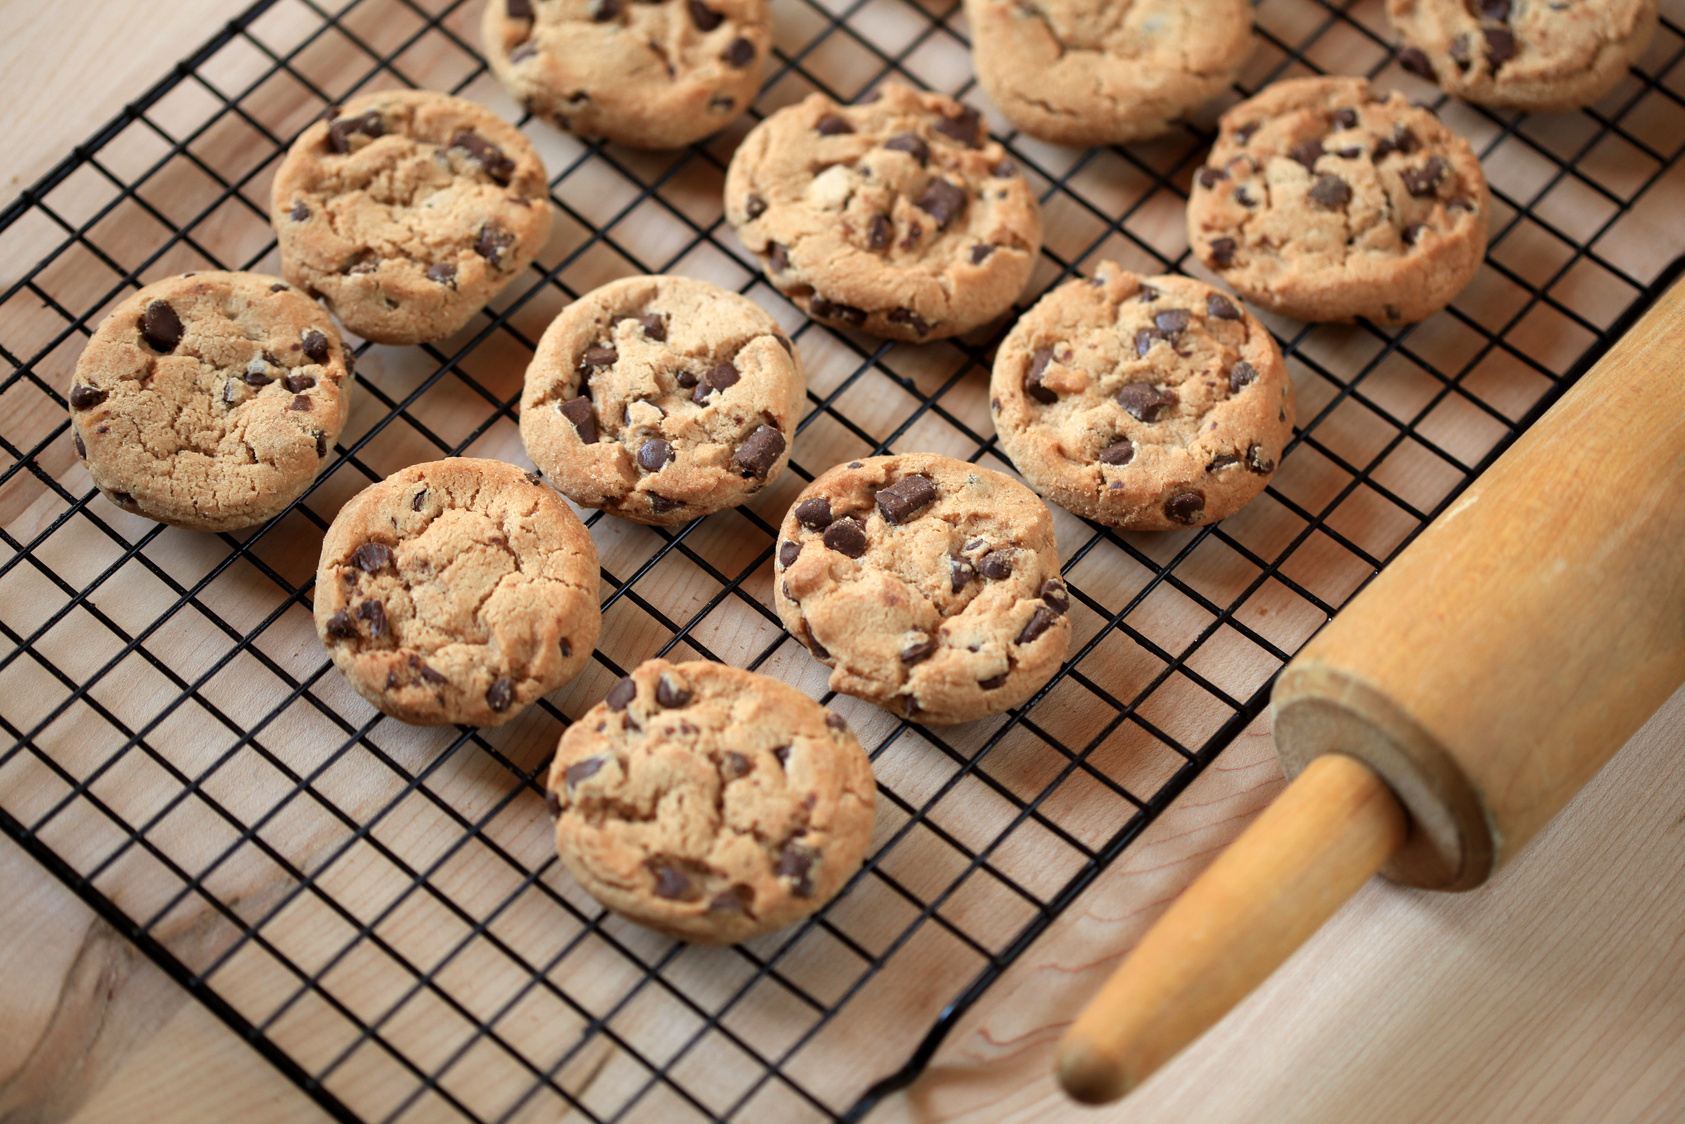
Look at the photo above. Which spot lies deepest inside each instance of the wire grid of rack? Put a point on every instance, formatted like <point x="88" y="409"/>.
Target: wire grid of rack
<point x="376" y="908"/>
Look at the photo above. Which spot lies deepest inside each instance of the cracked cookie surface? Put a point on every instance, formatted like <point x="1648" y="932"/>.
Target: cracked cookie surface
<point x="1536" y="55"/>
<point x="210" y="400"/>
<point x="1146" y="403"/>
<point x="930" y="586"/>
<point x="407" y="211"/>
<point x="1087" y="72"/>
<point x="645" y="73"/>
<point x="662" y="399"/>
<point x="896" y="216"/>
<point x="457" y="591"/>
<point x="1325" y="200"/>
<point x="711" y="803"/>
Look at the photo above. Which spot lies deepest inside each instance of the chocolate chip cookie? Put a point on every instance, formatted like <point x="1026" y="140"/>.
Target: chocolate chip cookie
<point x="457" y="591"/>
<point x="897" y="216"/>
<point x="1537" y="55"/>
<point x="1087" y="72"/>
<point x="1325" y="200"/>
<point x="1147" y="403"/>
<point x="210" y="400"/>
<point x="711" y="803"/>
<point x="662" y="399"/>
<point x="929" y="586"/>
<point x="646" y="73"/>
<point x="408" y="210"/>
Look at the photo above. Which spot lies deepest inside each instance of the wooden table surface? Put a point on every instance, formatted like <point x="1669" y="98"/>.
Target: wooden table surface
<point x="1557" y="993"/>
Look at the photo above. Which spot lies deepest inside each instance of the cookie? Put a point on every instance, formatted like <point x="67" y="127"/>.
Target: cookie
<point x="407" y="211"/>
<point x="210" y="400"/>
<point x="896" y="216"/>
<point x="1087" y="72"/>
<point x="645" y="73"/>
<point x="662" y="399"/>
<point x="1147" y="403"/>
<point x="457" y="591"/>
<point x="710" y="803"/>
<point x="929" y="586"/>
<point x="1536" y="55"/>
<point x="1324" y="200"/>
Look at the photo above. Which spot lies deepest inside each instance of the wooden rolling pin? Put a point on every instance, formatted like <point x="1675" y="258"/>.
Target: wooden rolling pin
<point x="1450" y="710"/>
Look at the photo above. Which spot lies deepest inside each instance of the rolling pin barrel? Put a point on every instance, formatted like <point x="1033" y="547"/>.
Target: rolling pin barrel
<point x="1478" y="682"/>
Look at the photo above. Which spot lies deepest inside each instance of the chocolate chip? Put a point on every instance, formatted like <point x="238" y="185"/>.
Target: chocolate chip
<point x="1144" y="340"/>
<point x="419" y="500"/>
<point x="912" y="145"/>
<point x="1005" y="169"/>
<point x="1146" y="294"/>
<point x="739" y="54"/>
<point x="832" y="125"/>
<point x="280" y="287"/>
<point x="1119" y="452"/>
<point x="788" y="552"/>
<point x="1424" y="181"/>
<point x="428" y="675"/>
<point x="942" y="201"/>
<point x="315" y="345"/>
<point x="960" y="572"/>
<point x="1460" y="52"/>
<point x="754" y="207"/>
<point x="782" y="753"/>
<point x="1211" y="177"/>
<point x="733" y="765"/>
<point x="1241" y="374"/>
<point x="1404" y="139"/>
<point x="300" y="402"/>
<point x="299" y="213"/>
<point x="965" y="127"/>
<point x="1495" y="10"/>
<point x="490" y="157"/>
<point x="553" y="805"/>
<point x="739" y="899"/>
<point x="1306" y="153"/>
<point x="996" y="564"/>
<point x="1416" y="63"/>
<point x="1055" y="596"/>
<point x="341" y="626"/>
<point x="1257" y="461"/>
<point x="981" y="252"/>
<point x="847" y="537"/>
<point x="1346" y="118"/>
<point x="918" y="650"/>
<point x="704" y="17"/>
<point x="994" y="682"/>
<point x="493" y="242"/>
<point x="784" y="342"/>
<point x="914" y="231"/>
<point x="913" y="320"/>
<point x="122" y="499"/>
<point x="621" y="694"/>
<point x="500" y="694"/>
<point x="1245" y="133"/>
<point x="655" y="454"/>
<point x="1222" y="461"/>
<point x="375" y="613"/>
<point x="828" y="310"/>
<point x="584" y="418"/>
<point x="300" y="383"/>
<point x="814" y="513"/>
<point x="1172" y="321"/>
<point x="1331" y="192"/>
<point x="1222" y="251"/>
<point x="518" y="9"/>
<point x="669" y="694"/>
<point x="1244" y="197"/>
<point x="81" y="449"/>
<point x="1500" y="45"/>
<point x="367" y="124"/>
<point x="581" y="771"/>
<point x="1032" y="377"/>
<point x="442" y="272"/>
<point x="795" y="863"/>
<point x="722" y="375"/>
<point x="371" y="556"/>
<point x="1460" y="205"/>
<point x="1040" y="621"/>
<point x="905" y="498"/>
<point x="1185" y="508"/>
<point x="672" y="883"/>
<point x="160" y="326"/>
<point x="85" y="397"/>
<point x="1219" y="307"/>
<point x="1412" y="232"/>
<point x="879" y="233"/>
<point x="756" y="456"/>
<point x="1145" y="401"/>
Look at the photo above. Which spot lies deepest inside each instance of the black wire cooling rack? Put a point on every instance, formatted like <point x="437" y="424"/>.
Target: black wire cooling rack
<point x="376" y="908"/>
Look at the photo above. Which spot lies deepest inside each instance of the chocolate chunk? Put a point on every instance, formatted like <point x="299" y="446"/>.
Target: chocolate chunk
<point x="734" y="765"/>
<point x="1306" y="153"/>
<point x="604" y="11"/>
<point x="1412" y="232"/>
<point x="1055" y="596"/>
<point x="371" y="556"/>
<point x="419" y="500"/>
<point x="1119" y="452"/>
<point x="442" y="272"/>
<point x="620" y="695"/>
<point x="1460" y="52"/>
<point x="367" y="124"/>
<point x="754" y="206"/>
<point x="299" y="213"/>
<point x="1146" y="294"/>
<point x="814" y="513"/>
<point x="1144" y="340"/>
<point x="1145" y="401"/>
<point x="85" y="397"/>
<point x="847" y="537"/>
<point x="1222" y="251"/>
<point x="739" y="54"/>
<point x="1258" y="461"/>
<point x="672" y="883"/>
<point x="905" y="498"/>
<point x="1424" y="181"/>
<point x="230" y="393"/>
<point x="829" y="310"/>
<point x="1245" y="133"/>
<point x="832" y="125"/>
<point x="81" y="449"/>
<point x="1222" y="461"/>
<point x="1219" y="307"/>
<point x="1346" y="118"/>
<point x="1500" y="45"/>
<point x="788" y="552"/>
<point x="500" y="694"/>
<point x="584" y="418"/>
<point x="911" y="144"/>
<point x="1244" y="197"/>
<point x="670" y="694"/>
<point x="914" y="231"/>
<point x="1211" y="177"/>
<point x="913" y="320"/>
<point x="1040" y="621"/>
<point x="160" y="326"/>
<point x="1416" y="63"/>
<point x="1032" y="377"/>
<point x="300" y="402"/>
<point x="598" y="356"/>
<point x="704" y="17"/>
<point x="1185" y="508"/>
<point x="655" y="454"/>
<point x="1240" y="375"/>
<point x="756" y="456"/>
<point x="996" y="564"/>
<point x="518" y="9"/>
<point x="966" y="127"/>
<point x="981" y="252"/>
<point x="795" y="863"/>
<point x="493" y="242"/>
<point x="1331" y="192"/>
<point x="1404" y="139"/>
<point x="994" y="682"/>
<point x="942" y="201"/>
<point x="553" y="805"/>
<point x="1495" y="10"/>
<point x="428" y="675"/>
<point x="1004" y="169"/>
<point x="298" y="384"/>
<point x="918" y="650"/>
<point x="581" y="771"/>
<point x="879" y="233"/>
<point x="960" y="572"/>
<point x="341" y="626"/>
<point x="1172" y="321"/>
<point x="490" y="157"/>
<point x="375" y="613"/>
<point x="739" y="899"/>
